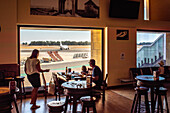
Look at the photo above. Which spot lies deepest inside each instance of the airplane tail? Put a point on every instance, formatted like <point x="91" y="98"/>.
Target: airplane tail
<point x="60" y="43"/>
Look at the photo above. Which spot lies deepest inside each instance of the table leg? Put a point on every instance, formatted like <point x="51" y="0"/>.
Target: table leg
<point x="152" y="100"/>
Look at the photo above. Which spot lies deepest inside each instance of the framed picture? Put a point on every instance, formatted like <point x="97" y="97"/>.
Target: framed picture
<point x="66" y="8"/>
<point x="122" y="34"/>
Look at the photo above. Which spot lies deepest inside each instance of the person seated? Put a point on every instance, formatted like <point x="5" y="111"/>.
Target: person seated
<point x="84" y="70"/>
<point x="161" y="69"/>
<point x="97" y="76"/>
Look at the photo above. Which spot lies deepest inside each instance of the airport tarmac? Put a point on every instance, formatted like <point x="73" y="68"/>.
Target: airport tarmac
<point x="58" y="66"/>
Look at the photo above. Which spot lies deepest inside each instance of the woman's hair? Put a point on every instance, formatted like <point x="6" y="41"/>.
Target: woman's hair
<point x="34" y="53"/>
<point x="84" y="68"/>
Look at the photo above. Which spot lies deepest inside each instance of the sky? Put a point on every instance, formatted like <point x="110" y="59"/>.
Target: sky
<point x="147" y="36"/>
<point x="53" y="35"/>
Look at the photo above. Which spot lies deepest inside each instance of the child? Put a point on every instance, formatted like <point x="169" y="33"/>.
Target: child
<point x="84" y="70"/>
<point x="161" y="68"/>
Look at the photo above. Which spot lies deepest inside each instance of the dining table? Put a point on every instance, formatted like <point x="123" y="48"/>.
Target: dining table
<point x="151" y="82"/>
<point x="76" y="89"/>
<point x="70" y="76"/>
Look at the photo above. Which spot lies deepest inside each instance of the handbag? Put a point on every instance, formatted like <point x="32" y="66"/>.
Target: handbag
<point x="51" y="88"/>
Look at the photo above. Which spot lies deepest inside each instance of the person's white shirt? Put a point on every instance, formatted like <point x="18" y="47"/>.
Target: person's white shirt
<point x="31" y="65"/>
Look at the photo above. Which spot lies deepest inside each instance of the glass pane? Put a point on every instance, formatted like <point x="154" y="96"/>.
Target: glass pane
<point x="151" y="48"/>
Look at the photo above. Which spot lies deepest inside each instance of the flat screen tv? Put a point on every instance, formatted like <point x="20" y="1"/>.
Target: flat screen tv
<point x="124" y="9"/>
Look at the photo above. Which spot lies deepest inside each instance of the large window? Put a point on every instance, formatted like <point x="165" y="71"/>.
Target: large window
<point x="152" y="47"/>
<point x="60" y="48"/>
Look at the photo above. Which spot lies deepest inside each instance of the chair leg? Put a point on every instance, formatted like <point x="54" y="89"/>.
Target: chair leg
<point x="94" y="108"/>
<point x="56" y="96"/>
<point x="59" y="95"/>
<point x="82" y="109"/>
<point x="16" y="107"/>
<point x="133" y="103"/>
<point x="66" y="104"/>
<point x="139" y="103"/>
<point x="166" y="104"/>
<point x="87" y="109"/>
<point x="147" y="103"/>
<point x="160" y="103"/>
<point x="136" y="104"/>
<point x="23" y="89"/>
<point x="155" y="100"/>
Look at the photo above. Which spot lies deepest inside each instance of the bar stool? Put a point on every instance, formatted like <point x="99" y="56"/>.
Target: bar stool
<point x="56" y="106"/>
<point x="161" y="92"/>
<point x="20" y="84"/>
<point x="137" y="99"/>
<point x="87" y="102"/>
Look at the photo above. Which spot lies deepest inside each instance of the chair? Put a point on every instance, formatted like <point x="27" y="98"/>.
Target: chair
<point x="13" y="91"/>
<point x="87" y="102"/>
<point x="146" y="71"/>
<point x="137" y="99"/>
<point x="10" y="76"/>
<point x="58" y="88"/>
<point x="161" y="92"/>
<point x="133" y="73"/>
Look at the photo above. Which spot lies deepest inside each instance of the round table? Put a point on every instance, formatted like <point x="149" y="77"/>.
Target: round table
<point x="151" y="82"/>
<point x="76" y="89"/>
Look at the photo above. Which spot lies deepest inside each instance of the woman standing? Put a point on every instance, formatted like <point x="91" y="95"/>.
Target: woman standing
<point x="33" y="69"/>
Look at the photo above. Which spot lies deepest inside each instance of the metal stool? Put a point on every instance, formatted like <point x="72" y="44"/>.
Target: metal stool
<point x="87" y="102"/>
<point x="137" y="99"/>
<point x="56" y="106"/>
<point x="161" y="92"/>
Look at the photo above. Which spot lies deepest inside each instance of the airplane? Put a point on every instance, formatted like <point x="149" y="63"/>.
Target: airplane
<point x="62" y="47"/>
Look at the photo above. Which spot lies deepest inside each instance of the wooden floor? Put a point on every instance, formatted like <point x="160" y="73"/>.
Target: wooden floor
<point x="114" y="104"/>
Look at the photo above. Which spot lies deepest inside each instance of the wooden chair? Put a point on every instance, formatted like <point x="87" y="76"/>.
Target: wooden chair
<point x="161" y="91"/>
<point x="87" y="102"/>
<point x="146" y="71"/>
<point x="137" y="99"/>
<point x="58" y="88"/>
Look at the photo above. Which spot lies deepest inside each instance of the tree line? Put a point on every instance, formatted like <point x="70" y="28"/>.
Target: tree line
<point x="145" y="43"/>
<point x="57" y="43"/>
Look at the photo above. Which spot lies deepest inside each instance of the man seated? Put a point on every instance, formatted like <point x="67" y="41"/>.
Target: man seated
<point x="97" y="76"/>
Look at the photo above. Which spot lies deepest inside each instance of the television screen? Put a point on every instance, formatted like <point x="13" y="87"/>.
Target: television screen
<point x="124" y="9"/>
